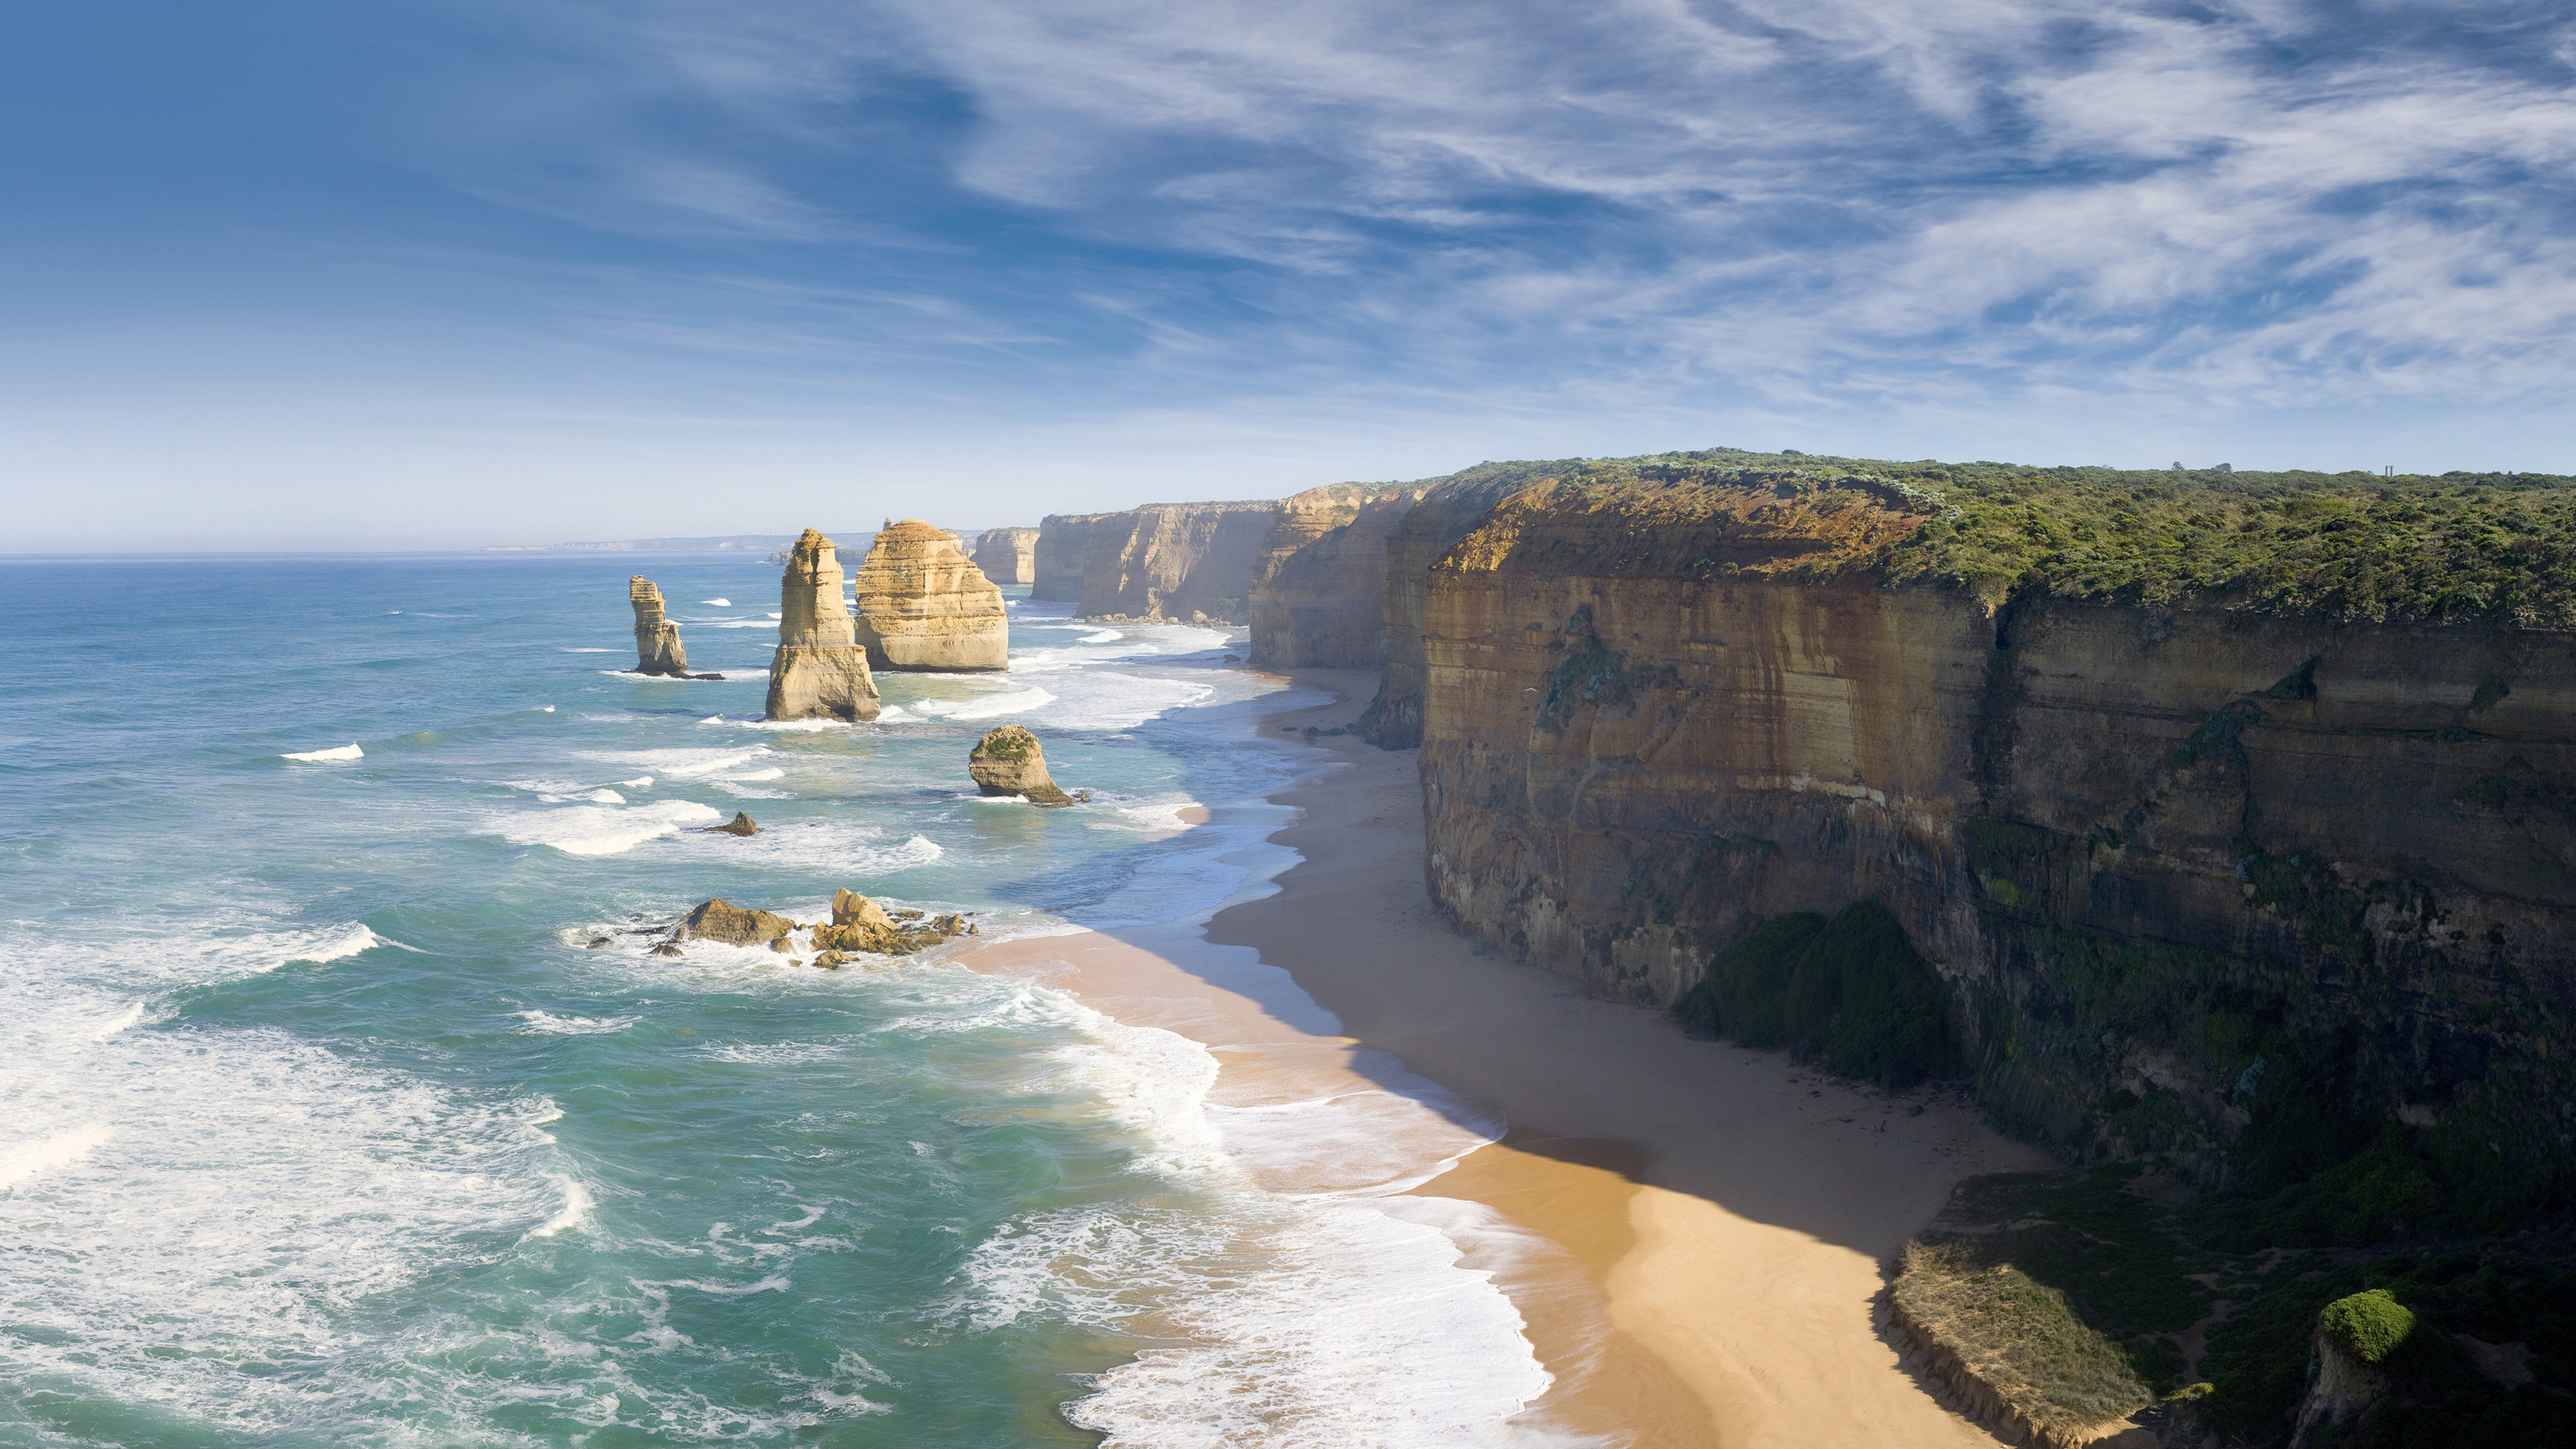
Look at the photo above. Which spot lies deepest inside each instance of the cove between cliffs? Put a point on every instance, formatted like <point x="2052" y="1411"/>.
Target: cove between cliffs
<point x="1690" y="1234"/>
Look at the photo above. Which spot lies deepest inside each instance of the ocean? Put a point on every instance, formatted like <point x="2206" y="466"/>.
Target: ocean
<point x="322" y="1121"/>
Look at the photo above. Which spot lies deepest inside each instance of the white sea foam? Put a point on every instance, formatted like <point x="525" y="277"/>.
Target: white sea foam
<point x="590" y="651"/>
<point x="23" y="1160"/>
<point x="546" y="1023"/>
<point x="602" y="829"/>
<point x="640" y="782"/>
<point x="825" y="845"/>
<point x="119" y="1022"/>
<point x="719" y="603"/>
<point x="1160" y="818"/>
<point x="575" y="1212"/>
<point x="348" y="751"/>
<point x="689" y="763"/>
<point x="987" y="706"/>
<point x="1102" y="637"/>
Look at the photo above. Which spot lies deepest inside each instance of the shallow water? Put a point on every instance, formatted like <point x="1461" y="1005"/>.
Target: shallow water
<point x="321" y="1123"/>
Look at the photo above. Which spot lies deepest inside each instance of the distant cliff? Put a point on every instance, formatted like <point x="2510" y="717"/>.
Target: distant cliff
<point x="1008" y="555"/>
<point x="2238" y="814"/>
<point x="1318" y="586"/>
<point x="1064" y="542"/>
<point x="1174" y="560"/>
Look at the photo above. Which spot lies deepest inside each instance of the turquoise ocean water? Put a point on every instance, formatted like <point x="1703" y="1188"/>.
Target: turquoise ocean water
<point x="321" y="1123"/>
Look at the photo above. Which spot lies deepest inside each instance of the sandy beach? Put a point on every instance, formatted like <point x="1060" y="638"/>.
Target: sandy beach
<point x="1694" y="1233"/>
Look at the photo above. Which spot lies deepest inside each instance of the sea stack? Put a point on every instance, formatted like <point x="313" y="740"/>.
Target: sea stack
<point x="657" y="639"/>
<point x="924" y="605"/>
<point x="1008" y="555"/>
<point x="1009" y="762"/>
<point x="820" y="671"/>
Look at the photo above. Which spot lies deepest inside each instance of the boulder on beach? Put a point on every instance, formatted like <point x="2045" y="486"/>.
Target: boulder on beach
<point x="1008" y="761"/>
<point x="721" y="920"/>
<point x="740" y="824"/>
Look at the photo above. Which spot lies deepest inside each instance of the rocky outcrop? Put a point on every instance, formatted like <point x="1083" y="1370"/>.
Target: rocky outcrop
<point x="1449" y="508"/>
<point x="1008" y="555"/>
<point x="1064" y="545"/>
<point x="859" y="924"/>
<point x="1008" y="761"/>
<point x="819" y="672"/>
<point x="657" y="639"/>
<point x="721" y="920"/>
<point x="923" y="605"/>
<point x="1174" y="560"/>
<point x="740" y="824"/>
<point x="1319" y="586"/>
<point x="2186" y="866"/>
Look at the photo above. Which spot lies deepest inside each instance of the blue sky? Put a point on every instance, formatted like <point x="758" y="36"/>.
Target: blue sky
<point x="492" y="271"/>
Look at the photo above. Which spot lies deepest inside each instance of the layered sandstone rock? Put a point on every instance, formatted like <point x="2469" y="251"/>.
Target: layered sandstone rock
<point x="1064" y="544"/>
<point x="2182" y="863"/>
<point x="1319" y="586"/>
<point x="1008" y="555"/>
<point x="1174" y="560"/>
<point x="819" y="672"/>
<point x="1449" y="508"/>
<point x="922" y="604"/>
<point x="1009" y="761"/>
<point x="657" y="639"/>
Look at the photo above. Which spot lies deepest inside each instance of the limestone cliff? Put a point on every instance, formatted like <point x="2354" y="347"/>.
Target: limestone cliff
<point x="1008" y="555"/>
<point x="1064" y="543"/>
<point x="657" y="639"/>
<point x="1174" y="560"/>
<point x="2213" y="883"/>
<point x="1319" y="584"/>
<point x="1449" y="507"/>
<point x="922" y="604"/>
<point x="819" y="672"/>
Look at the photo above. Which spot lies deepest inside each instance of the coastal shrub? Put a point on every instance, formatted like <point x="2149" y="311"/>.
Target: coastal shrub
<point x="2016" y="1335"/>
<point x="1851" y="989"/>
<point x="2369" y="1325"/>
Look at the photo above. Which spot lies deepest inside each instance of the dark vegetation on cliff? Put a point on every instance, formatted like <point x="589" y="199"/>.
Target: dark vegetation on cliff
<point x="1850" y="992"/>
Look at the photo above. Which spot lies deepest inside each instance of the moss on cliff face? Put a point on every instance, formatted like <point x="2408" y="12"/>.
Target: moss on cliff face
<point x="1852" y="990"/>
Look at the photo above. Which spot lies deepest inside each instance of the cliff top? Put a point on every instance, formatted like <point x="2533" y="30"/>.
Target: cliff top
<point x="2456" y="548"/>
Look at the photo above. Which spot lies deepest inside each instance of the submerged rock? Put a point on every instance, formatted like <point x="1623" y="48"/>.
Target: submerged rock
<point x="657" y="639"/>
<point x="819" y="672"/>
<point x="832" y="960"/>
<point x="1008" y="761"/>
<point x="667" y="948"/>
<point x="740" y="824"/>
<point x="721" y="920"/>
<point x="922" y="604"/>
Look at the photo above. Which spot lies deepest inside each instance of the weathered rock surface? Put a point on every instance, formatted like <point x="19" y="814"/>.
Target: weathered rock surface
<point x="1008" y="555"/>
<point x="1064" y="544"/>
<point x="657" y="639"/>
<point x="1450" y="507"/>
<point x="1173" y="560"/>
<point x="819" y="672"/>
<point x="2178" y="862"/>
<point x="859" y="924"/>
<point x="1319" y="586"/>
<point x="740" y="824"/>
<point x="1008" y="761"/>
<point x="721" y="920"/>
<point x="923" y="605"/>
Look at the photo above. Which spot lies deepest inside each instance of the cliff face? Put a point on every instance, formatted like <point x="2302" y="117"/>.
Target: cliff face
<point x="1008" y="555"/>
<point x="819" y="671"/>
<point x="1173" y="560"/>
<point x="2191" y="870"/>
<point x="1064" y="543"/>
<point x="657" y="639"/>
<point x="922" y="604"/>
<point x="1319" y="584"/>
<point x="1448" y="509"/>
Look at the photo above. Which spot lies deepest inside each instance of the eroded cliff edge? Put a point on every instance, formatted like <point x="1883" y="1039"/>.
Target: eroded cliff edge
<point x="1317" y="586"/>
<point x="1171" y="560"/>
<point x="2207" y="868"/>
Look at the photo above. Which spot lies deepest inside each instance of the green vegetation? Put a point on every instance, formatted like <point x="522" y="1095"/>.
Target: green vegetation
<point x="2017" y="1335"/>
<point x="1851" y="991"/>
<point x="2369" y="1325"/>
<point x="2453" y="548"/>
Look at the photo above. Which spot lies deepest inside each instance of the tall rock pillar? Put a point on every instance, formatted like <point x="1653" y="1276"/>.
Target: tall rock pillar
<point x="657" y="639"/>
<point x="820" y="671"/>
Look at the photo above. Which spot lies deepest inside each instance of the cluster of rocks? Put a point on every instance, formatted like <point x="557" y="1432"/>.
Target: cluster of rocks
<point x="859" y="926"/>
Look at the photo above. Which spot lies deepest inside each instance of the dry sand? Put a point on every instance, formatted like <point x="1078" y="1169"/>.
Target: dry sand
<point x="1704" y="1225"/>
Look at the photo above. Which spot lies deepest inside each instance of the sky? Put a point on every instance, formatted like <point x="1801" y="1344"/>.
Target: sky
<point x="403" y="274"/>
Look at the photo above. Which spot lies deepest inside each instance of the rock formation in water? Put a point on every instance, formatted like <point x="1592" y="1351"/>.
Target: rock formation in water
<point x="1008" y="761"/>
<point x="1319" y="585"/>
<point x="740" y="824"/>
<point x="2272" y="818"/>
<point x="1008" y="555"/>
<point x="657" y="639"/>
<point x="1064" y="544"/>
<point x="923" y="605"/>
<point x="721" y="920"/>
<point x="1174" y="560"/>
<point x="820" y="671"/>
<point x="859" y="924"/>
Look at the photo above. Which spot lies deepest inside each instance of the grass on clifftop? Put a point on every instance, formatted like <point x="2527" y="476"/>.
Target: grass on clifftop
<point x="2016" y="1335"/>
<point x="2453" y="548"/>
